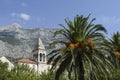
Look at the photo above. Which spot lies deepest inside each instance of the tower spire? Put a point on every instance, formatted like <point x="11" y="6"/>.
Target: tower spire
<point x="39" y="52"/>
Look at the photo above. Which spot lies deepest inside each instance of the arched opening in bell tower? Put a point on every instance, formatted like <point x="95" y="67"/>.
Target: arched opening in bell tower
<point x="40" y="56"/>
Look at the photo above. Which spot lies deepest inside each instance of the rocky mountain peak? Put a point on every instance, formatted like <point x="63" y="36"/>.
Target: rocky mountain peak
<point x="16" y="41"/>
<point x="11" y="27"/>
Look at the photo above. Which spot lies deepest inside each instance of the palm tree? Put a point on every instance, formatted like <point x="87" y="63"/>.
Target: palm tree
<point x="82" y="54"/>
<point x="113" y="46"/>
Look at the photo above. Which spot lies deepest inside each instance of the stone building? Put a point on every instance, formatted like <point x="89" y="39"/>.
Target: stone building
<point x="39" y="55"/>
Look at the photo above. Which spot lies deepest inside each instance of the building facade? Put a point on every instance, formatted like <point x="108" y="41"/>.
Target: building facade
<point x="40" y="56"/>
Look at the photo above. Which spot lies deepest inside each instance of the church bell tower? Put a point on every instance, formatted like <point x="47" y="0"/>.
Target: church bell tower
<point x="39" y="55"/>
<point x="39" y="52"/>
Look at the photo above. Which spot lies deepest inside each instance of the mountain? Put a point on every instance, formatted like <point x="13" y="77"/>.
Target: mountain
<point x="18" y="42"/>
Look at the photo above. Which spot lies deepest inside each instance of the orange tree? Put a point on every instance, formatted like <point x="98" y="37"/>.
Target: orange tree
<point x="82" y="54"/>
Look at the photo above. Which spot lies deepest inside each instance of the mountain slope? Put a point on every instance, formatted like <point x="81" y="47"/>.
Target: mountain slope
<point x="18" y="42"/>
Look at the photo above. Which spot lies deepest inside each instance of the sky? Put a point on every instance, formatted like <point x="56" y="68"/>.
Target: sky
<point x="50" y="13"/>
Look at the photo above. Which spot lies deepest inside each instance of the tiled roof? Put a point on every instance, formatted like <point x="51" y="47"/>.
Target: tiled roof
<point x="27" y="61"/>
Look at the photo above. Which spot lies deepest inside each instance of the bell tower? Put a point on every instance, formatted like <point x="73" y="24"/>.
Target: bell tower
<point x="39" y="52"/>
<point x="39" y="55"/>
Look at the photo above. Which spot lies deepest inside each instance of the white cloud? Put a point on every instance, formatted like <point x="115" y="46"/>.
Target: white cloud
<point x="25" y="16"/>
<point x="22" y="16"/>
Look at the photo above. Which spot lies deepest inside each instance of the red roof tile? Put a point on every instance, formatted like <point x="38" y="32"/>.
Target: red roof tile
<point x="27" y="61"/>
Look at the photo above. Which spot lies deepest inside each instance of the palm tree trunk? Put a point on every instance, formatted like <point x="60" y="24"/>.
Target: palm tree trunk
<point x="81" y="69"/>
<point x="69" y="75"/>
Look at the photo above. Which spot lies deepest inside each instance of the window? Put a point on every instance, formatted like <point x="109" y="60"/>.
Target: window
<point x="43" y="57"/>
<point x="40" y="56"/>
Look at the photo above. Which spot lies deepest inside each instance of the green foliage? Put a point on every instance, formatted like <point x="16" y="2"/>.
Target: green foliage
<point x="115" y="75"/>
<point x="113" y="46"/>
<point x="19" y="72"/>
<point x="22" y="72"/>
<point x="83" y="54"/>
<point x="4" y="73"/>
<point x="51" y="75"/>
<point x="47" y="75"/>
